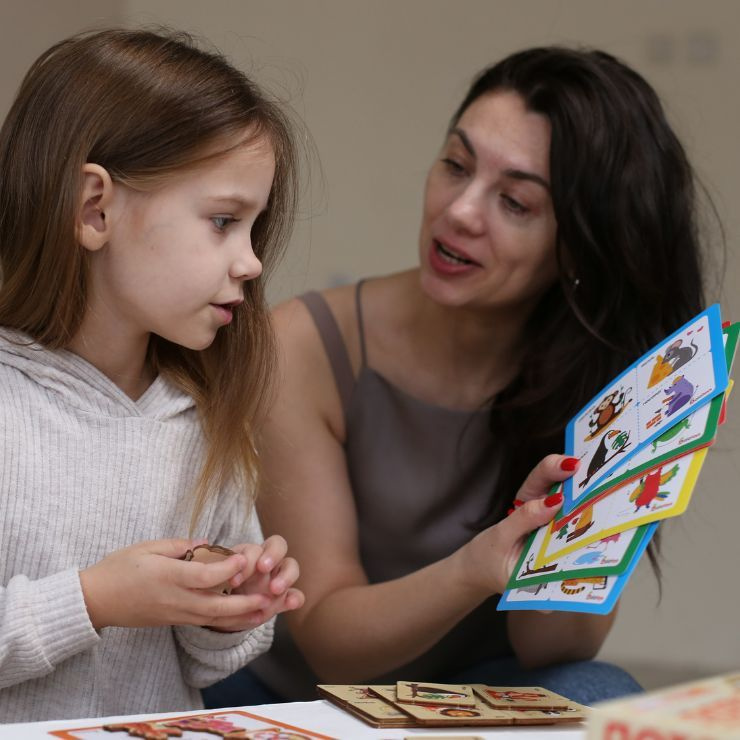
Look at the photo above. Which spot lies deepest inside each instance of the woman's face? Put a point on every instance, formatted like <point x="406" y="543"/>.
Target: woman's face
<point x="488" y="230"/>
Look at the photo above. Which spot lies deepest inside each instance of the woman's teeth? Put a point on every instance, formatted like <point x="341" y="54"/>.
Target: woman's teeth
<point x="451" y="257"/>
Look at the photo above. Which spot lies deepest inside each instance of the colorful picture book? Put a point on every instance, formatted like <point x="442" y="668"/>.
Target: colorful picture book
<point x="642" y="442"/>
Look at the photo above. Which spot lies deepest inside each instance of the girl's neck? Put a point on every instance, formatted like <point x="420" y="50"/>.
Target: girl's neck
<point x="123" y="362"/>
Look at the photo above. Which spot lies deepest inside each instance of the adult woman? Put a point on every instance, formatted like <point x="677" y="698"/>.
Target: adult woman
<point x="558" y="237"/>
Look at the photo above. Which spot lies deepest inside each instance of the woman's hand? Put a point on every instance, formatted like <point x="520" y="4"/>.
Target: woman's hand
<point x="147" y="585"/>
<point x="490" y="557"/>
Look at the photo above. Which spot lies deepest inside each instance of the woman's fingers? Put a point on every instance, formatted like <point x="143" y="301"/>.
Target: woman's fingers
<point x="551" y="469"/>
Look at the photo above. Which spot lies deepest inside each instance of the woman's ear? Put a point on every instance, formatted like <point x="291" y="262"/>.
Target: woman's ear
<point x="93" y="230"/>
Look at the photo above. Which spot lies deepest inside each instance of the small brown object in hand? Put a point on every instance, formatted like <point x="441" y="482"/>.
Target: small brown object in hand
<point x="210" y="554"/>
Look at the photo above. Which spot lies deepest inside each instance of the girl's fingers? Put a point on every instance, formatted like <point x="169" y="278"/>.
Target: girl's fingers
<point x="274" y="549"/>
<point x="294" y="599"/>
<point x="285" y="575"/>
<point x="194" y="575"/>
<point x="251" y="554"/>
<point x="209" y="608"/>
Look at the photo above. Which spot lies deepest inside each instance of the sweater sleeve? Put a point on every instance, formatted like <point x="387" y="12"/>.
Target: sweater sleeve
<point x="207" y="656"/>
<point x="42" y="623"/>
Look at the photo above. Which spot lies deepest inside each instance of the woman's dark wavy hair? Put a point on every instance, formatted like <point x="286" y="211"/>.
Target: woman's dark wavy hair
<point x="627" y="245"/>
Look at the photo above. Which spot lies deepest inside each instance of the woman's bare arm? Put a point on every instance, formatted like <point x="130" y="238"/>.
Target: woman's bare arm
<point x="350" y="630"/>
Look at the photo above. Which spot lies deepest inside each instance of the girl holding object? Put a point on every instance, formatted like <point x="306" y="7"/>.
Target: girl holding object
<point x="145" y="183"/>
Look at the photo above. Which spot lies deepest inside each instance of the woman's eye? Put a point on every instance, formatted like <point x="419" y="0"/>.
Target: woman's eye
<point x="453" y="166"/>
<point x="514" y="205"/>
<point x="222" y="222"/>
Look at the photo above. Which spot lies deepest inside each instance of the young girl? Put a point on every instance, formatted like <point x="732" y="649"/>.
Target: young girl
<point x="144" y="184"/>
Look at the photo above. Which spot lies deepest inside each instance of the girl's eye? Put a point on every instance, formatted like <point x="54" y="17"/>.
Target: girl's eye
<point x="453" y="166"/>
<point x="514" y="205"/>
<point x="222" y="222"/>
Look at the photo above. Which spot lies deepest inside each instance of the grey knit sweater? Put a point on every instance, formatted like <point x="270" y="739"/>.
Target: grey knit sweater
<point x="85" y="470"/>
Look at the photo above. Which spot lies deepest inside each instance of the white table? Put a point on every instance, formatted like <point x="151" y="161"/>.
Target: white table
<point x="318" y="716"/>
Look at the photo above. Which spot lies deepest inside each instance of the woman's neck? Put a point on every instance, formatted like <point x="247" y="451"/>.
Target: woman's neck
<point x="459" y="357"/>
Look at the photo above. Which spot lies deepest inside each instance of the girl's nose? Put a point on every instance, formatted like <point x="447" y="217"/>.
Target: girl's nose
<point x="246" y="266"/>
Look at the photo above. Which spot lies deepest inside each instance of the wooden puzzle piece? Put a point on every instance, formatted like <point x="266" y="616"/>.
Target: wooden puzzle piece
<point x="144" y="730"/>
<point x="434" y="693"/>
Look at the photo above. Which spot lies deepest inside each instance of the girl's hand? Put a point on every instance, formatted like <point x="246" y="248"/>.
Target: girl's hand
<point x="269" y="574"/>
<point x="146" y="585"/>
<point x="490" y="557"/>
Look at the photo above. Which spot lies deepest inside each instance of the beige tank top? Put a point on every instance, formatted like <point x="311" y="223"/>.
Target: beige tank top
<point x="422" y="476"/>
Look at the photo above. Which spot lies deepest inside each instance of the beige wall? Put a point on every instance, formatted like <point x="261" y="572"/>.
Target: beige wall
<point x="375" y="83"/>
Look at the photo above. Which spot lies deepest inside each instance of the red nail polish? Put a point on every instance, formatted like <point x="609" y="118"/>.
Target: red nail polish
<point x="510" y="511"/>
<point x="569" y="464"/>
<point x="555" y="499"/>
<point x="518" y="502"/>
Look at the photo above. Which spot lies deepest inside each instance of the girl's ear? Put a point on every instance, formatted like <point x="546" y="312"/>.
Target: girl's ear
<point x="93" y="230"/>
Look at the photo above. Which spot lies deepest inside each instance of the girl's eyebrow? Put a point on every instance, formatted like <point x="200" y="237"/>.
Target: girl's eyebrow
<point x="515" y="174"/>
<point x="232" y="199"/>
<point x="238" y="202"/>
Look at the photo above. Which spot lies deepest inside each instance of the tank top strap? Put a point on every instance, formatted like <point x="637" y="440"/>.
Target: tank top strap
<point x="334" y="346"/>
<point x="360" y="324"/>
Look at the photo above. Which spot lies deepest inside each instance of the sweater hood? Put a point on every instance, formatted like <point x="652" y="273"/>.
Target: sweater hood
<point x="82" y="385"/>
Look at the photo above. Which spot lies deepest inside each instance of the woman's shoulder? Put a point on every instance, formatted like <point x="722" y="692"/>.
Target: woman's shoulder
<point x="301" y="330"/>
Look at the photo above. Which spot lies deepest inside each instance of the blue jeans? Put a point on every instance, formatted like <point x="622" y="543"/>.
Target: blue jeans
<point x="585" y="681"/>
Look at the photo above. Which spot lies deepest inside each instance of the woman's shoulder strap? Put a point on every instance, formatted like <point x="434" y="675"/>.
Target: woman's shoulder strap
<point x="333" y="342"/>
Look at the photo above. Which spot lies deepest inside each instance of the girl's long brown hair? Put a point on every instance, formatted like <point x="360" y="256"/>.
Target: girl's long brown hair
<point x="144" y="105"/>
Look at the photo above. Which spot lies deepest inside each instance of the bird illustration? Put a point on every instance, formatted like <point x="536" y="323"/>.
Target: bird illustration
<point x="649" y="487"/>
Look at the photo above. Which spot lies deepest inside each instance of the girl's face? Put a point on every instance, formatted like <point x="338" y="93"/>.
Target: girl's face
<point x="488" y="230"/>
<point x="177" y="256"/>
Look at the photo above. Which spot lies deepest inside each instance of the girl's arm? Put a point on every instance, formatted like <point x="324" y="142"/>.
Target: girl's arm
<point x="42" y="623"/>
<point x="348" y="629"/>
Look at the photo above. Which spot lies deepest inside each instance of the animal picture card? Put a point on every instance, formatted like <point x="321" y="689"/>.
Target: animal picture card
<point x="360" y="702"/>
<point x="408" y="692"/>
<point x="234" y="724"/>
<point x="595" y="595"/>
<point x="605" y="557"/>
<point x="656" y="392"/>
<point x="663" y="492"/>
<point x="440" y="715"/>
<point x="522" y="697"/>
<point x="696" y="430"/>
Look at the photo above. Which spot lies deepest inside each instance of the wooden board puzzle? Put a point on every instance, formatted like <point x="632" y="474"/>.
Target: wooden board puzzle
<point x="433" y="705"/>
<point x="232" y="724"/>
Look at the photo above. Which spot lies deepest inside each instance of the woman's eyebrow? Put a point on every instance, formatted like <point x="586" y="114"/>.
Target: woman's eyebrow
<point x="465" y="140"/>
<point x="513" y="173"/>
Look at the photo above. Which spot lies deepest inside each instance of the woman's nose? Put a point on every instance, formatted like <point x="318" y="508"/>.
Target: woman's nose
<point x="466" y="212"/>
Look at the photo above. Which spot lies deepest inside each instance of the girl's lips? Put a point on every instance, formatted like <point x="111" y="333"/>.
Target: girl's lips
<point x="448" y="262"/>
<point x="224" y="311"/>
